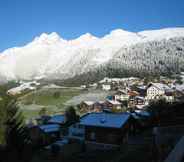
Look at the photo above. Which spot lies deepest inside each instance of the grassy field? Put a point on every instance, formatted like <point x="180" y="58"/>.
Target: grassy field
<point x="51" y="99"/>
<point x="56" y="100"/>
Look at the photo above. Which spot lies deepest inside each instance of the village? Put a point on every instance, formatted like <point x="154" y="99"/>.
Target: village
<point x="119" y="121"/>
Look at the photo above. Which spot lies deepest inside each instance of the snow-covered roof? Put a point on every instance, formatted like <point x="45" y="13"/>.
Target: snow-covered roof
<point x="100" y="102"/>
<point x="88" y="102"/>
<point x="103" y="119"/>
<point x="179" y="87"/>
<point x="139" y="97"/>
<point x="162" y="86"/>
<point x="114" y="102"/>
<point x="143" y="87"/>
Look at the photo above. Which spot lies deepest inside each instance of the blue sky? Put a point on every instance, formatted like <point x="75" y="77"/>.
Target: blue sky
<point x="22" y="20"/>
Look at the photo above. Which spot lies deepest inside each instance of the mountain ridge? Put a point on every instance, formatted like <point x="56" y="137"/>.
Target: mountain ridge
<point x="49" y="55"/>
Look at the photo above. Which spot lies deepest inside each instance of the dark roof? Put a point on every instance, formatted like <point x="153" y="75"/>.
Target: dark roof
<point x="57" y="119"/>
<point x="48" y="128"/>
<point x="103" y="119"/>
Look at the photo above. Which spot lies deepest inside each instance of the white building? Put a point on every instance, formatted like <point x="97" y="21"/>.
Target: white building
<point x="158" y="91"/>
<point x="106" y="87"/>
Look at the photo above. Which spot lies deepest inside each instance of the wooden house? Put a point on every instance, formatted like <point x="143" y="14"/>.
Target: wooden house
<point x="86" y="106"/>
<point x="139" y="100"/>
<point x="99" y="106"/>
<point x="121" y="95"/>
<point x="113" y="105"/>
<point x="105" y="130"/>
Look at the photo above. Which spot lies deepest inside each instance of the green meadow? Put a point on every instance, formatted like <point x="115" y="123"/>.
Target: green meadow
<point x="53" y="100"/>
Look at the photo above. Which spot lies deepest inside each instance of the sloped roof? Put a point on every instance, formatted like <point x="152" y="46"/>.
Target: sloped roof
<point x="140" y="97"/>
<point x="133" y="93"/>
<point x="179" y="87"/>
<point x="103" y="119"/>
<point x="114" y="102"/>
<point x="161" y="86"/>
<point x="122" y="91"/>
<point x="89" y="103"/>
<point x="48" y="128"/>
<point x="58" y="119"/>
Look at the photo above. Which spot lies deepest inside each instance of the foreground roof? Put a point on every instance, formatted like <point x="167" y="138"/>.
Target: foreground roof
<point x="103" y="119"/>
<point x="58" y="119"/>
<point x="48" y="128"/>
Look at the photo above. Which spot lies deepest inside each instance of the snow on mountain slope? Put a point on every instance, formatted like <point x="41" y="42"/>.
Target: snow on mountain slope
<point x="158" y="35"/>
<point x="49" y="55"/>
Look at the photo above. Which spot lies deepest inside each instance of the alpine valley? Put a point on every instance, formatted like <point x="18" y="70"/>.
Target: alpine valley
<point x="120" y="53"/>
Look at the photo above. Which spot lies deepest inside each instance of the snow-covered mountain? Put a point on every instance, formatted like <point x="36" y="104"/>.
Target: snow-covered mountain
<point x="52" y="57"/>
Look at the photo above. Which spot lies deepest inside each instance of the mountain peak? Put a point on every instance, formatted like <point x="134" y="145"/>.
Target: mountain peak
<point x="52" y="37"/>
<point x="118" y="32"/>
<point x="86" y="37"/>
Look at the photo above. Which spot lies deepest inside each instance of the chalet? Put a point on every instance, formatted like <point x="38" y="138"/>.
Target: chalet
<point x="132" y="98"/>
<point x="113" y="104"/>
<point x="102" y="130"/>
<point x="158" y="91"/>
<point x="86" y="106"/>
<point x="121" y="95"/>
<point x="99" y="106"/>
<point x="139" y="100"/>
<point x="105" y="130"/>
